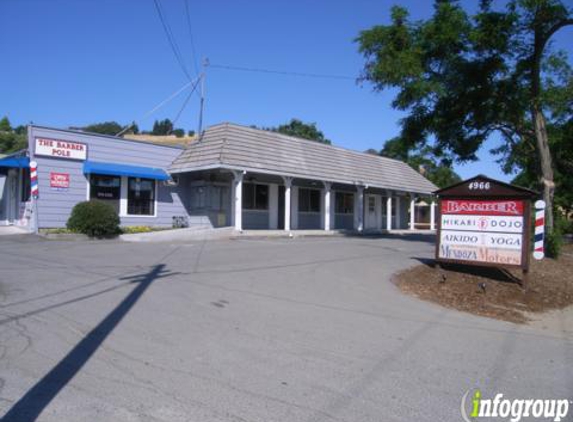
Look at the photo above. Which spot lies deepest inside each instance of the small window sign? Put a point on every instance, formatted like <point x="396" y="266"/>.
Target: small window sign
<point x="59" y="181"/>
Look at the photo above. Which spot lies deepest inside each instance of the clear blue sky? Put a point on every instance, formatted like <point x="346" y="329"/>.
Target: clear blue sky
<point x="75" y="62"/>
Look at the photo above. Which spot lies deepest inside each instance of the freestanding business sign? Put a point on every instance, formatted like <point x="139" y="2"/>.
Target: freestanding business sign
<point x="482" y="221"/>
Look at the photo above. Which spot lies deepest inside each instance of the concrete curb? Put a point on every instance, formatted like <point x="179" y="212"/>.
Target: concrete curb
<point x="179" y="235"/>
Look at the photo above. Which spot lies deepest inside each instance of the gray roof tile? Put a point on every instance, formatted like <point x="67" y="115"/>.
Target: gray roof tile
<point x="238" y="147"/>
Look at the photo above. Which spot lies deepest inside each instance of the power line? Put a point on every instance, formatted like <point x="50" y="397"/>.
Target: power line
<point x="188" y="15"/>
<point x="186" y="100"/>
<point x="171" y="39"/>
<point x="161" y="104"/>
<point x="280" y="72"/>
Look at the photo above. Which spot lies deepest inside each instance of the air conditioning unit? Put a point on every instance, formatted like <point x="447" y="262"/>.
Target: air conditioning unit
<point x="174" y="181"/>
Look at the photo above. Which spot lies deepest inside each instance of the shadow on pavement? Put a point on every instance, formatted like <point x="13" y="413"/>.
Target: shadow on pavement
<point x="408" y="237"/>
<point x="31" y="405"/>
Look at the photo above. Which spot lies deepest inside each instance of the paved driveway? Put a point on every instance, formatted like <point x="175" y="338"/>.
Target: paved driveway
<point x="249" y="330"/>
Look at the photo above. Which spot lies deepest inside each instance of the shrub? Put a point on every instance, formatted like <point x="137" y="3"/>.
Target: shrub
<point x="94" y="218"/>
<point x="554" y="243"/>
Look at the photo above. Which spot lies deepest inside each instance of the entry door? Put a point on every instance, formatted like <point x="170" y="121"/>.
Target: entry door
<point x="372" y="212"/>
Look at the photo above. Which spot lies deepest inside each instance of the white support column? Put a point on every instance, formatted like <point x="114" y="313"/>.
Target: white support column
<point x="294" y="207"/>
<point x="123" y="196"/>
<point x="389" y="212"/>
<point x="360" y="210"/>
<point x="412" y="212"/>
<point x="238" y="202"/>
<point x="288" y="185"/>
<point x="433" y="215"/>
<point x="273" y="206"/>
<point x="326" y="211"/>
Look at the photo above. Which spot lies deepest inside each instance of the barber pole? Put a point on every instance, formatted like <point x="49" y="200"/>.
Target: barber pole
<point x="34" y="179"/>
<point x="538" y="252"/>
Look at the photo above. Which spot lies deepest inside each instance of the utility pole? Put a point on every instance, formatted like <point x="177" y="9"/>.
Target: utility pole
<point x="202" y="102"/>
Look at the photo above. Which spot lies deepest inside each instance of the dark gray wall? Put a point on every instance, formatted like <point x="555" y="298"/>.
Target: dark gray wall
<point x="309" y="221"/>
<point x="344" y="221"/>
<point x="255" y="220"/>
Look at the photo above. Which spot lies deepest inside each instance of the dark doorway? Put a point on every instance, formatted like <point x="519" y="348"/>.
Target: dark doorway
<point x="281" y="216"/>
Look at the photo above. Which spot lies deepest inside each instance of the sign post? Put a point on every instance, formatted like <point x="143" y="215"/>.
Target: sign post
<point x="484" y="222"/>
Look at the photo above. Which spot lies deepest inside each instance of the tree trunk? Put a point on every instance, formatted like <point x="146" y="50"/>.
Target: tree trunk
<point x="546" y="162"/>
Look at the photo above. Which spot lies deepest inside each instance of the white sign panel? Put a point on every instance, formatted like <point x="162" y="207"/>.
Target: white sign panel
<point x="482" y="223"/>
<point x="60" y="149"/>
<point x="480" y="254"/>
<point x="490" y="240"/>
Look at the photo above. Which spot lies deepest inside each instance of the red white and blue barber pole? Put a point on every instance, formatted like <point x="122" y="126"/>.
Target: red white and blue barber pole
<point x="538" y="252"/>
<point x="34" y="179"/>
<point x="34" y="193"/>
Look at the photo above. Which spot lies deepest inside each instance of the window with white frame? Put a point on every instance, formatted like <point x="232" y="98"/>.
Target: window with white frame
<point x="308" y="200"/>
<point x="140" y="196"/>
<point x="106" y="189"/>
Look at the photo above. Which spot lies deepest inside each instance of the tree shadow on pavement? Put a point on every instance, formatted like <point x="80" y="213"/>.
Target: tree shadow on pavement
<point x="31" y="405"/>
<point x="407" y="237"/>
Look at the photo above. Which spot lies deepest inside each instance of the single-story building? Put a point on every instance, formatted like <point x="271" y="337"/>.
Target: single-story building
<point x="231" y="176"/>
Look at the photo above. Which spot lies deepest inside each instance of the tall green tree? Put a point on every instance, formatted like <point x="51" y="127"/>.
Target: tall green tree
<point x="462" y="77"/>
<point x="436" y="170"/>
<point x="303" y="130"/>
<point x="111" y="128"/>
<point x="11" y="140"/>
<point x="162" y="127"/>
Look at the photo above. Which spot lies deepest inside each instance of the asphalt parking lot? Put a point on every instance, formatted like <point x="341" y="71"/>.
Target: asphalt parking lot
<point x="307" y="329"/>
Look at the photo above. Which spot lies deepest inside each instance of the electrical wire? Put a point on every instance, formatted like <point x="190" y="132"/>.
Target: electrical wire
<point x="186" y="101"/>
<point x="171" y="39"/>
<point x="280" y="72"/>
<point x="188" y="15"/>
<point x="162" y="103"/>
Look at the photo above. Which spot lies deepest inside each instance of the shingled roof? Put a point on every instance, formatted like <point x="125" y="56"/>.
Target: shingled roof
<point x="235" y="147"/>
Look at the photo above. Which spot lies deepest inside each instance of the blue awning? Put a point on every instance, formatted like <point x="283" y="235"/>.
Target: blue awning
<point x="115" y="169"/>
<point x="15" y="162"/>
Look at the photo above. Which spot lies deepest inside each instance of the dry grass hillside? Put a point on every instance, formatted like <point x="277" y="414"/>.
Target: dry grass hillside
<point x="171" y="140"/>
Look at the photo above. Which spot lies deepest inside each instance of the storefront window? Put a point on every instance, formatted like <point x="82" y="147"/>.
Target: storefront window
<point x="140" y="196"/>
<point x="308" y="200"/>
<point x="255" y="197"/>
<point x="344" y="203"/>
<point x="106" y="188"/>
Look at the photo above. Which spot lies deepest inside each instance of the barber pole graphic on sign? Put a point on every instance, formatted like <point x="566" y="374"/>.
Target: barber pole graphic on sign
<point x="34" y="179"/>
<point x="538" y="251"/>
